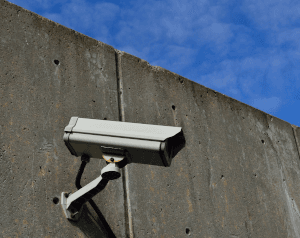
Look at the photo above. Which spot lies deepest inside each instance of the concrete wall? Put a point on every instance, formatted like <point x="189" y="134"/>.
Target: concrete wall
<point x="238" y="176"/>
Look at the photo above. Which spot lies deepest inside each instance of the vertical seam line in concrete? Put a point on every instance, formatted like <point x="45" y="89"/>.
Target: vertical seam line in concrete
<point x="297" y="142"/>
<point x="125" y="177"/>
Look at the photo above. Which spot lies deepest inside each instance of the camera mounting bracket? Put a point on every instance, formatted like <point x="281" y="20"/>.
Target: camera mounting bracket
<point x="72" y="204"/>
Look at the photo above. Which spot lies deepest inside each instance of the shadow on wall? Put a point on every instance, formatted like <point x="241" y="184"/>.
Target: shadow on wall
<point x="91" y="226"/>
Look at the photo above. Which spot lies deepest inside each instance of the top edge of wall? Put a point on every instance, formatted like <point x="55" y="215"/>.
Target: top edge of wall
<point x="177" y="76"/>
<point x="124" y="54"/>
<point x="18" y="8"/>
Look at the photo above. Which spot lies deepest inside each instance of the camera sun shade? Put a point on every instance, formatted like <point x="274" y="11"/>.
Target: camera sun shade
<point x="144" y="143"/>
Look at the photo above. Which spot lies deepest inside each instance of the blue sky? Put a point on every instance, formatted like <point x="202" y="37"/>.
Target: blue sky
<point x="248" y="50"/>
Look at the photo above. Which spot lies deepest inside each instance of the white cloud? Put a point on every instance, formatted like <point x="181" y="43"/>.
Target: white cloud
<point x="85" y="15"/>
<point x="272" y="14"/>
<point x="34" y="5"/>
<point x="178" y="22"/>
<point x="269" y="105"/>
<point x="175" y="56"/>
<point x="218" y="36"/>
<point x="223" y="80"/>
<point x="133" y="51"/>
<point x="288" y="39"/>
<point x="54" y="17"/>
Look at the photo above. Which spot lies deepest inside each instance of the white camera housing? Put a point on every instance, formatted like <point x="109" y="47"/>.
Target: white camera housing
<point x="142" y="143"/>
<point x="119" y="143"/>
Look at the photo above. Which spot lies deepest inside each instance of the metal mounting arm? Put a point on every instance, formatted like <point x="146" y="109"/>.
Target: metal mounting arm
<point x="72" y="203"/>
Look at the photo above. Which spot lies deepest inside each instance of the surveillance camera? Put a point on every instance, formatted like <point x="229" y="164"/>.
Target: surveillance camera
<point x="119" y="143"/>
<point x="140" y="143"/>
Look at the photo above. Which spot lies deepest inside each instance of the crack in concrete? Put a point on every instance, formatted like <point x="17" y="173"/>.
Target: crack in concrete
<point x="125" y="175"/>
<point x="296" y="139"/>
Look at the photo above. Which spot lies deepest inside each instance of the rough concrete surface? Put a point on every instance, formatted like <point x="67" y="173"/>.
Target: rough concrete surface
<point x="48" y="74"/>
<point x="238" y="176"/>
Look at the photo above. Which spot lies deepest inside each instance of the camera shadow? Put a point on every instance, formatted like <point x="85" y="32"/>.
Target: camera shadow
<point x="91" y="226"/>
